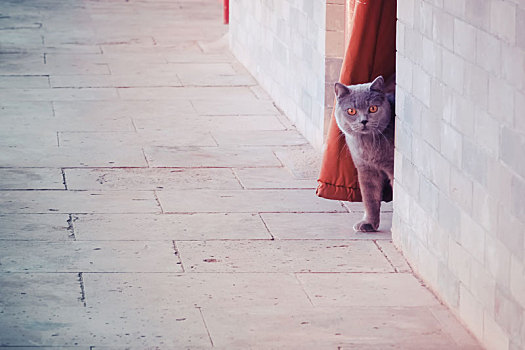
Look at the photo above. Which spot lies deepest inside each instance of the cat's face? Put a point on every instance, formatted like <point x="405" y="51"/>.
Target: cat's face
<point x="362" y="109"/>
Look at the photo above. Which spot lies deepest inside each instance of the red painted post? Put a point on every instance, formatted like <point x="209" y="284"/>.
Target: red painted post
<point x="226" y="11"/>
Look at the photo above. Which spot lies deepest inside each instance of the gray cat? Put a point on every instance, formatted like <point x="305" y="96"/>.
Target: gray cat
<point x="364" y="114"/>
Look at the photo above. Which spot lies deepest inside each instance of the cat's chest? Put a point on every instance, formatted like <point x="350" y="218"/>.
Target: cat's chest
<point x="370" y="151"/>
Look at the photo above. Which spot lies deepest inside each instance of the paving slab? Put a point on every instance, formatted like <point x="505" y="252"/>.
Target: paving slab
<point x="394" y="256"/>
<point x="200" y="290"/>
<point x="271" y="178"/>
<point x="208" y="123"/>
<point x="101" y="179"/>
<point x="245" y="201"/>
<point x="259" y="138"/>
<point x="191" y="79"/>
<point x="219" y="226"/>
<point x="40" y="109"/>
<point x="86" y="256"/>
<point x="303" y="162"/>
<point x="26" y="125"/>
<point x="328" y="328"/>
<point x="222" y="95"/>
<point x="323" y="226"/>
<point x="24" y="81"/>
<point x="58" y="157"/>
<point x="35" y="227"/>
<point x="282" y="256"/>
<point x="60" y="94"/>
<point x="380" y="289"/>
<point x="116" y="81"/>
<point x="198" y="157"/>
<point x="110" y="327"/>
<point x="37" y="289"/>
<point x="240" y="107"/>
<point x="31" y="140"/>
<point x="119" y="139"/>
<point x="88" y="110"/>
<point x="35" y="202"/>
<point x="31" y="178"/>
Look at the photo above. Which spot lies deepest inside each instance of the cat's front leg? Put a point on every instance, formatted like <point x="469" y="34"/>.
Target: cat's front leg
<point x="371" y="185"/>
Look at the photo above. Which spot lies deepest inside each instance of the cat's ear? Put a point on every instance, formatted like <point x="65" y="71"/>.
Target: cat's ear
<point x="377" y="84"/>
<point x="340" y="90"/>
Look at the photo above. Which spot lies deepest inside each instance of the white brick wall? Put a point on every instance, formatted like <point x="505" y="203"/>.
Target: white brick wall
<point x="459" y="196"/>
<point x="282" y="43"/>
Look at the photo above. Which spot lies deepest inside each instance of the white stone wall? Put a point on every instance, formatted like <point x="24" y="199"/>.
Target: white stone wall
<point x="282" y="43"/>
<point x="459" y="207"/>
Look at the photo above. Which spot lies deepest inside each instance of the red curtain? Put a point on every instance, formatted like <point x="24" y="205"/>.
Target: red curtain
<point x="371" y="52"/>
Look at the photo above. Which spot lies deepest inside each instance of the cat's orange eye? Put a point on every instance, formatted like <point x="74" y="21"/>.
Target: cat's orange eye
<point x="372" y="109"/>
<point x="351" y="111"/>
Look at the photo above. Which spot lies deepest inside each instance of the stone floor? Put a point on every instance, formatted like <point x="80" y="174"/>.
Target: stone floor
<point x="153" y="196"/>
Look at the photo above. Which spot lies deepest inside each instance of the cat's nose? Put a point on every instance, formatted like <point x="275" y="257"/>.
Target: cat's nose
<point x="364" y="122"/>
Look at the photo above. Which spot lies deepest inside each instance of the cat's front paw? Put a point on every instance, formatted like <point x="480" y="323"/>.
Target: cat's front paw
<point x="365" y="226"/>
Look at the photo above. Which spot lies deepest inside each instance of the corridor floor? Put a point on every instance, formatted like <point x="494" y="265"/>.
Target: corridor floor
<point x="152" y="196"/>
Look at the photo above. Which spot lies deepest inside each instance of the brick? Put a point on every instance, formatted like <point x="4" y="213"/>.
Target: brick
<point x="413" y="43"/>
<point x="461" y="189"/>
<point x="472" y="236"/>
<point x="476" y="85"/>
<point x="448" y="285"/>
<point x="451" y="144"/>
<point x="449" y="215"/>
<point x="418" y="221"/>
<point x="400" y="38"/>
<point x="485" y="208"/>
<point x="443" y="29"/>
<point x="520" y="27"/>
<point x="440" y="98"/>
<point x="459" y="260"/>
<point x="423" y="12"/>
<point x="453" y="71"/>
<point x="431" y="129"/>
<point x="421" y="156"/>
<point x="511" y="144"/>
<point x="428" y="196"/>
<point x="503" y="20"/>
<point x="471" y="311"/>
<point x="501" y="100"/>
<point x="421" y="85"/>
<point x="482" y="285"/>
<point x="474" y="162"/>
<point x="438" y="241"/>
<point x="405" y="12"/>
<point x="494" y="337"/>
<point x="517" y="280"/>
<point x="404" y="77"/>
<point x="432" y="58"/>
<point x="439" y="167"/>
<point x="488" y="52"/>
<point x="513" y="65"/>
<point x="497" y="260"/>
<point x="412" y="114"/>
<point x="498" y="182"/>
<point x="402" y="200"/>
<point x="464" y="40"/>
<point x="410" y="177"/>
<point x="508" y="313"/>
<point x="478" y="13"/>
<point x="509" y="232"/>
<point x="486" y="133"/>
<point x="455" y="7"/>
<point x="517" y="192"/>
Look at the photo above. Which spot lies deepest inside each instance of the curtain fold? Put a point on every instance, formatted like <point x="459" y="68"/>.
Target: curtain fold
<point x="371" y="51"/>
